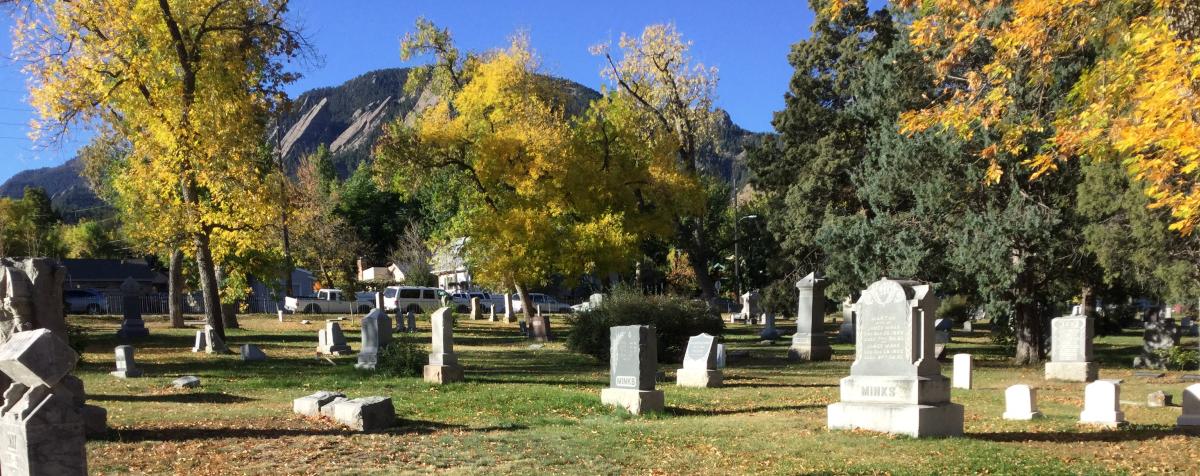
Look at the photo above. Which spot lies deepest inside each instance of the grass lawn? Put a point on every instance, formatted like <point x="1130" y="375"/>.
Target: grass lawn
<point x="537" y="410"/>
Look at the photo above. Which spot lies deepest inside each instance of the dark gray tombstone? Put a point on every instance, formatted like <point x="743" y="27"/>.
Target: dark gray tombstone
<point x="373" y="325"/>
<point x="633" y="363"/>
<point x="132" y="325"/>
<point x="809" y="342"/>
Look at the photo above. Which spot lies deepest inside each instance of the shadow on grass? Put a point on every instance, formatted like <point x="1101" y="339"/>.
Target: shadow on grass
<point x="727" y="384"/>
<point x="205" y="397"/>
<point x="677" y="411"/>
<point x="189" y="433"/>
<point x="1106" y="436"/>
<point x="518" y="380"/>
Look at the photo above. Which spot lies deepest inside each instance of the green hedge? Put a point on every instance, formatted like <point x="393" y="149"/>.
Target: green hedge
<point x="675" y="320"/>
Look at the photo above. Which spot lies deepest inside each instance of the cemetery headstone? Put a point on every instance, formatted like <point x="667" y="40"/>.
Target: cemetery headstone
<point x="633" y="364"/>
<point x="963" y="368"/>
<point x="187" y="381"/>
<point x="41" y="423"/>
<point x="126" y="366"/>
<point x="1158" y="399"/>
<point x="374" y="326"/>
<point x="895" y="384"/>
<point x="846" y="328"/>
<point x="749" y="307"/>
<point x="132" y="326"/>
<point x="1071" y="349"/>
<point x="700" y="364"/>
<point x="1158" y="335"/>
<point x="769" y="331"/>
<point x="1191" y="407"/>
<point x="252" y="353"/>
<point x="1102" y="404"/>
<point x="809" y="341"/>
<point x="1020" y="403"/>
<point x="201" y="342"/>
<point x="968" y="326"/>
<point x="540" y="330"/>
<point x="331" y="341"/>
<point x="443" y="362"/>
<point x="412" y="321"/>
<point x="492" y="312"/>
<point x="474" y="308"/>
<point x="720" y="356"/>
<point x="508" y="308"/>
<point x="311" y="405"/>
<point x="941" y="337"/>
<point x="364" y="414"/>
<point x="280" y="313"/>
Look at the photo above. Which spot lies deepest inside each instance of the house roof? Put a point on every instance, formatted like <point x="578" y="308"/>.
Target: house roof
<point x="110" y="270"/>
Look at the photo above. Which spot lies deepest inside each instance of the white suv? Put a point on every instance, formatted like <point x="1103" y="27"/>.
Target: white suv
<point x="412" y="298"/>
<point x="547" y="303"/>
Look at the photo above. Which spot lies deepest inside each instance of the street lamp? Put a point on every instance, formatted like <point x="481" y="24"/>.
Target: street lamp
<point x="737" y="273"/>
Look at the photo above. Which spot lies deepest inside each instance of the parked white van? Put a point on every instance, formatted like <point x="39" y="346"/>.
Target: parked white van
<point x="412" y="298"/>
<point x="547" y="303"/>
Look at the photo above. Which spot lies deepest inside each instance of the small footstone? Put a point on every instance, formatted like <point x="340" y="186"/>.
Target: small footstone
<point x="1020" y="403"/>
<point x="251" y="353"/>
<point x="311" y="405"/>
<point x="1149" y="374"/>
<point x="188" y="381"/>
<point x="306" y="321"/>
<point x="1158" y="399"/>
<point x="365" y="414"/>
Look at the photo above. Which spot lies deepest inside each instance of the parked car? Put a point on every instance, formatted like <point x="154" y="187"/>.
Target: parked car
<point x="547" y="303"/>
<point x="327" y="301"/>
<point x="85" y="301"/>
<point x="462" y="300"/>
<point x="412" y="298"/>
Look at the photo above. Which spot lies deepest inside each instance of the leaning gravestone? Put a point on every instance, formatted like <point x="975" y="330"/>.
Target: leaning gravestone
<point x="374" y="325"/>
<point x="126" y="366"/>
<point x="443" y="363"/>
<point x="895" y="384"/>
<point x="252" y="353"/>
<point x="700" y="364"/>
<point x="1191" y="407"/>
<point x="1020" y="403"/>
<point x="633" y="364"/>
<point x="41" y="425"/>
<point x="132" y="326"/>
<point x="809" y="342"/>
<point x="1102" y="404"/>
<point x="330" y="340"/>
<point x="1071" y="349"/>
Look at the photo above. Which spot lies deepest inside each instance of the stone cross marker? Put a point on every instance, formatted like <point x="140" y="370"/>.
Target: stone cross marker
<point x="809" y="342"/>
<point x="1071" y="349"/>
<point x="1020" y="403"/>
<point x="1191" y="407"/>
<point x="132" y="326"/>
<point x="1102" y="404"/>
<point x="633" y="366"/>
<point x="41" y="424"/>
<point x="895" y="384"/>
<point x="700" y="364"/>
<point x="330" y="340"/>
<point x="126" y="367"/>
<point x="443" y="363"/>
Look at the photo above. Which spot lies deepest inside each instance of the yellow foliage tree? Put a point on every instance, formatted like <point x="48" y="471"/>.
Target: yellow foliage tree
<point x="544" y="195"/>
<point x="190" y="85"/>
<point x="1137" y="101"/>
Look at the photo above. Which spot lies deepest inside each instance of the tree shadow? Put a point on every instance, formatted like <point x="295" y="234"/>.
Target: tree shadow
<point x="202" y="397"/>
<point x="190" y="433"/>
<point x="517" y="380"/>
<point x="727" y="384"/>
<point x="1105" y="436"/>
<point x="679" y="411"/>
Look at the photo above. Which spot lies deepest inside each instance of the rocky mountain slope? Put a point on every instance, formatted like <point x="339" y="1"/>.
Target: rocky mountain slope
<point x="347" y="119"/>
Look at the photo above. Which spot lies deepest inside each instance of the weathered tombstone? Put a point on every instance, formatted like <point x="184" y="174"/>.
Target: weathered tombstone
<point x="280" y="313"/>
<point x="540" y="329"/>
<point x="968" y="325"/>
<point x="1191" y="407"/>
<point x="32" y="289"/>
<point x="126" y="366"/>
<point x="365" y="414"/>
<point x="809" y="341"/>
<point x="633" y="363"/>
<point x="132" y="326"/>
<point x="474" y="308"/>
<point x="311" y="405"/>
<point x="412" y="321"/>
<point x="769" y="331"/>
<point x="186" y="381"/>
<point x="1159" y="335"/>
<point x="1158" y="399"/>
<point x="508" y="307"/>
<point x="443" y="363"/>
<point x="330" y="340"/>
<point x="963" y="368"/>
<point x="595" y="300"/>
<point x="895" y="384"/>
<point x="749" y="307"/>
<point x="201" y="341"/>
<point x="492" y="312"/>
<point x="41" y="423"/>
<point x="1102" y="404"/>
<point x="1020" y="403"/>
<point x="846" y="328"/>
<point x="252" y="353"/>
<point x="373" y="324"/>
<point x="1071" y="349"/>
<point x="720" y="356"/>
<point x="700" y="364"/>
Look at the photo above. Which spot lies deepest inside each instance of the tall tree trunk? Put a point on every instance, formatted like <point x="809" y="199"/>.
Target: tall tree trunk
<point x="525" y="304"/>
<point x="208" y="285"/>
<point x="175" y="289"/>
<point x="699" y="257"/>
<point x="228" y="310"/>
<point x="1027" y="325"/>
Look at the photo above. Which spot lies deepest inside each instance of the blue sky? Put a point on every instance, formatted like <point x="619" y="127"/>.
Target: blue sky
<point x="747" y="41"/>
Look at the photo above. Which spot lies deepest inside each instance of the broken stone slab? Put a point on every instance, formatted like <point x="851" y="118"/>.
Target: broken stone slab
<point x="187" y="381"/>
<point x="37" y="357"/>
<point x="327" y="409"/>
<point x="365" y="414"/>
<point x="251" y="353"/>
<point x="1158" y="399"/>
<point x="311" y="405"/>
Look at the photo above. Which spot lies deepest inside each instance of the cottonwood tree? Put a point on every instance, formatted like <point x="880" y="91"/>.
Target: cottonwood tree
<point x="190" y="85"/>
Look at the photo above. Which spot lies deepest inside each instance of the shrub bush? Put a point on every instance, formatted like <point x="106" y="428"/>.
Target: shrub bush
<point x="1178" y="358"/>
<point x="675" y="320"/>
<point x="402" y="357"/>
<point x="957" y="308"/>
